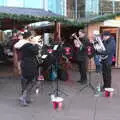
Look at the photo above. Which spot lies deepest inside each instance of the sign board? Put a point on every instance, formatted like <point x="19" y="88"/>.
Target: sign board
<point x="112" y="23"/>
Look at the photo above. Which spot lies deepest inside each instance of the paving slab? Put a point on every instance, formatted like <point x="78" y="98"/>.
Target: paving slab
<point x="76" y="106"/>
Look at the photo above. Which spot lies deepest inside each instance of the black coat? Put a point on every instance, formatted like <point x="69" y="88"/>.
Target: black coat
<point x="28" y="61"/>
<point x="81" y="54"/>
<point x="110" y="47"/>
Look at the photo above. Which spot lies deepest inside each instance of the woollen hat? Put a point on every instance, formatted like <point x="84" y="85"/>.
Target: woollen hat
<point x="106" y="33"/>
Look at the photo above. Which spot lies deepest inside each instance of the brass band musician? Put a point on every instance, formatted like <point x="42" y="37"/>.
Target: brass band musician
<point x="81" y="42"/>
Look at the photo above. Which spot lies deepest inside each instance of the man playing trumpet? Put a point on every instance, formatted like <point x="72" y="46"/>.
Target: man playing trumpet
<point x="81" y="43"/>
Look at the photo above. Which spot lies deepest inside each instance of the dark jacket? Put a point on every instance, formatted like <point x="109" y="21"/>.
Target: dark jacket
<point x="28" y="61"/>
<point x="110" y="49"/>
<point x="2" y="55"/>
<point x="81" y="54"/>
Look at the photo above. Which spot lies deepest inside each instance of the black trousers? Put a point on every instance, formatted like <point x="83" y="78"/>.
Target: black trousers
<point x="27" y="87"/>
<point x="27" y="84"/>
<point x="106" y="71"/>
<point x="83" y="70"/>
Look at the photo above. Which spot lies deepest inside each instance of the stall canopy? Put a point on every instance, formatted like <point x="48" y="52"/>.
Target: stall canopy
<point x="16" y="17"/>
<point x="11" y="17"/>
<point x="26" y="11"/>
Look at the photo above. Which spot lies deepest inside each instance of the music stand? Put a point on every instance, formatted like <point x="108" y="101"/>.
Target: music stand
<point x="57" y="91"/>
<point x="89" y="85"/>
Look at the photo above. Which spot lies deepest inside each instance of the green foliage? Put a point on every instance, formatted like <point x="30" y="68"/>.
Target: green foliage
<point x="64" y="20"/>
<point x="29" y="18"/>
<point x="104" y="17"/>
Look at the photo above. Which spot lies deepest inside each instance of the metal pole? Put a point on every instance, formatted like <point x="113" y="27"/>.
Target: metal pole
<point x="76" y="10"/>
<point x="101" y="7"/>
<point x="43" y="4"/>
<point x="113" y="5"/>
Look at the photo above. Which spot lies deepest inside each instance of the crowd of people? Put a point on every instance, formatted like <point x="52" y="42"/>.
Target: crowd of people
<point x="35" y="61"/>
<point x="33" y="58"/>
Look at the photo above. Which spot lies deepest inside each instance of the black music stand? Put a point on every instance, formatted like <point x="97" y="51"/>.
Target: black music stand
<point x="89" y="85"/>
<point x="57" y="91"/>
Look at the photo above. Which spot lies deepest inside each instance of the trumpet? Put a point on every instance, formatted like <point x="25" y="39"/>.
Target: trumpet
<point x="77" y="42"/>
<point x="98" y="44"/>
<point x="75" y="36"/>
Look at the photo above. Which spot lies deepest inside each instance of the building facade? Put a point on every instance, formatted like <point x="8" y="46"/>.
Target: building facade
<point x="75" y="8"/>
<point x="91" y="8"/>
<point x="109" y="6"/>
<point x="56" y="6"/>
<point x="82" y="8"/>
<point x="72" y="8"/>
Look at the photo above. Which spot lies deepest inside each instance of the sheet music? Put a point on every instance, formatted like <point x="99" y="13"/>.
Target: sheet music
<point x="44" y="56"/>
<point x="55" y="47"/>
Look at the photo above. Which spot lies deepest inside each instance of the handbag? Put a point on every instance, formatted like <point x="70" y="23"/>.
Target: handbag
<point x="53" y="73"/>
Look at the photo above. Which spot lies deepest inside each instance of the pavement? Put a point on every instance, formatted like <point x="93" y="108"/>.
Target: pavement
<point x="84" y="105"/>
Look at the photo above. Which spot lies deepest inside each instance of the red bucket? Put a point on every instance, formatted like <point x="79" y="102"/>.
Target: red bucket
<point x="57" y="103"/>
<point x="109" y="92"/>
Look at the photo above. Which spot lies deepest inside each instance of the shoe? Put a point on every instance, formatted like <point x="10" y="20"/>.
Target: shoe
<point x="83" y="82"/>
<point x="23" y="102"/>
<point x="79" y="81"/>
<point x="37" y="91"/>
<point x="102" y="88"/>
<point x="29" y="101"/>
